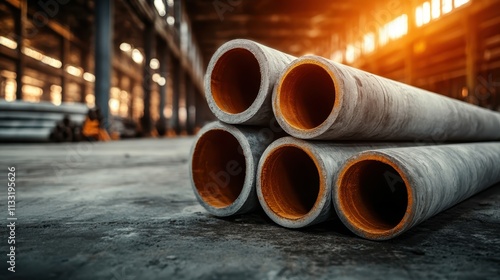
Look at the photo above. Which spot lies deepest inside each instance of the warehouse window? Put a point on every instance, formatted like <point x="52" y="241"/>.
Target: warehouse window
<point x="393" y="30"/>
<point x="11" y="44"/>
<point x="369" y="43"/>
<point x="423" y="14"/>
<point x="398" y="27"/>
<point x="426" y="12"/>
<point x="56" y="94"/>
<point x="351" y="53"/>
<point x="436" y="9"/>
<point x="160" y="7"/>
<point x="75" y="71"/>
<point x="447" y="6"/>
<point x="41" y="57"/>
<point x="458" y="3"/>
<point x="10" y="90"/>
<point x="89" y="77"/>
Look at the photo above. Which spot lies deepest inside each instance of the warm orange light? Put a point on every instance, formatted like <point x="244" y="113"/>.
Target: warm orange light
<point x="114" y="106"/>
<point x="419" y="16"/>
<point x="419" y="47"/>
<point x="436" y="9"/>
<point x="11" y="44"/>
<point x="350" y="53"/>
<point x="398" y="27"/>
<point x="337" y="56"/>
<point x="383" y="38"/>
<point x="369" y="43"/>
<point x="459" y="3"/>
<point x="465" y="92"/>
<point x="423" y="14"/>
<point x="90" y="100"/>
<point x="446" y="6"/>
<point x="10" y="90"/>
<point x="56" y="95"/>
<point x="426" y="12"/>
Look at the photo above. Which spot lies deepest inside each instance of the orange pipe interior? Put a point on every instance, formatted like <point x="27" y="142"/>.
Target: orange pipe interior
<point x="290" y="182"/>
<point x="306" y="96"/>
<point x="218" y="168"/>
<point x="235" y="81"/>
<point x="373" y="195"/>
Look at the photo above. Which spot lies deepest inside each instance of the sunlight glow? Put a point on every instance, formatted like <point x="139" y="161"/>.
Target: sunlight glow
<point x="459" y="3"/>
<point x="447" y="6"/>
<point x="369" y="43"/>
<point x="436" y="9"/>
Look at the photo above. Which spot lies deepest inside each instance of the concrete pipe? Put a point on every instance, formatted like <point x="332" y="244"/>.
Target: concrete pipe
<point x="316" y="98"/>
<point x="381" y="194"/>
<point x="223" y="167"/>
<point x="295" y="178"/>
<point x="240" y="80"/>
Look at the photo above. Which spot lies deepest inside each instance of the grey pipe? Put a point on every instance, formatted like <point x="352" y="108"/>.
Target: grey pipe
<point x="34" y="123"/>
<point x="223" y="167"/>
<point x="240" y="79"/>
<point x="381" y="194"/>
<point x="44" y="106"/>
<point x="23" y="134"/>
<point x="316" y="98"/>
<point x="295" y="178"/>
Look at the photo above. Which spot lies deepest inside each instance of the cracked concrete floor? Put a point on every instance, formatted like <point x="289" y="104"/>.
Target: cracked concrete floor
<point x="125" y="210"/>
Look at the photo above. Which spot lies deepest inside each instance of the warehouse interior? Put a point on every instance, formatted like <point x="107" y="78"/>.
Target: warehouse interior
<point x="113" y="199"/>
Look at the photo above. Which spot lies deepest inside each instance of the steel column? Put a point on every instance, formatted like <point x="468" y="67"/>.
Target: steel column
<point x="164" y="58"/>
<point x="147" y="82"/>
<point x="103" y="55"/>
<point x="176" y="74"/>
<point x="20" y="34"/>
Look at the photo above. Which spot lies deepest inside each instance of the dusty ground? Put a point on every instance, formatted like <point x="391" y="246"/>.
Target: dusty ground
<point x="125" y="211"/>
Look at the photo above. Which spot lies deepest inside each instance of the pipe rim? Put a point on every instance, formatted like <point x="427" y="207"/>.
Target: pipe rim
<point x="324" y="189"/>
<point x="317" y="131"/>
<point x="351" y="219"/>
<point x="264" y="87"/>
<point x="248" y="182"/>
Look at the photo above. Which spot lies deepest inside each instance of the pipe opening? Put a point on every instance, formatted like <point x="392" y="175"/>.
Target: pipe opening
<point x="218" y="168"/>
<point x="235" y="80"/>
<point x="290" y="182"/>
<point x="373" y="195"/>
<point x="307" y="96"/>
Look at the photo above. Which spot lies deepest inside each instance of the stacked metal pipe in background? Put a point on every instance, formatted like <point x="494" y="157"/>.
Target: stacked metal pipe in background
<point x="378" y="189"/>
<point x="41" y="122"/>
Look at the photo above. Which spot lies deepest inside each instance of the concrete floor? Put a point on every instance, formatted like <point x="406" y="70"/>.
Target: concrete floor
<point x="125" y="211"/>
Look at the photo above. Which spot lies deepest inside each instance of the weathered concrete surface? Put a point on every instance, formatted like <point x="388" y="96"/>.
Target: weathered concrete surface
<point x="328" y="158"/>
<point x="341" y="102"/>
<point x="127" y="211"/>
<point x="433" y="179"/>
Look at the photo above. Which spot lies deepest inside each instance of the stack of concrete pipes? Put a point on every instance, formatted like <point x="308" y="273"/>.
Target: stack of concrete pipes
<point x="377" y="154"/>
<point x="22" y="121"/>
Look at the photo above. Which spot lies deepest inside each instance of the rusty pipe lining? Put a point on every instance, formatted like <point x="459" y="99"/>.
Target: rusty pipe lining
<point x="306" y="95"/>
<point x="216" y="158"/>
<point x="240" y="79"/>
<point x="235" y="80"/>
<point x="290" y="182"/>
<point x="223" y="167"/>
<point x="295" y="178"/>
<point x="373" y="195"/>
